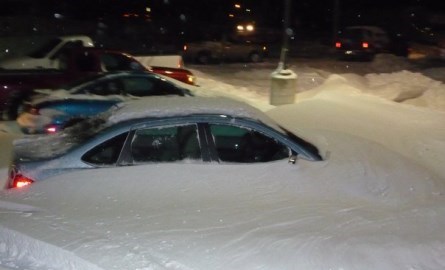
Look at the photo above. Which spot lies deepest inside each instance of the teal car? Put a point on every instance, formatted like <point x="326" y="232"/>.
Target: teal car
<point x="58" y="109"/>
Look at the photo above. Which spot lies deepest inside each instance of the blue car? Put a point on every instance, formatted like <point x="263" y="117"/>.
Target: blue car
<point x="53" y="110"/>
<point x="159" y="130"/>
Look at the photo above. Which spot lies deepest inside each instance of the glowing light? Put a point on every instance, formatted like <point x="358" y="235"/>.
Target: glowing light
<point x="250" y="28"/>
<point x="21" y="181"/>
<point x="51" y="129"/>
<point x="237" y="6"/>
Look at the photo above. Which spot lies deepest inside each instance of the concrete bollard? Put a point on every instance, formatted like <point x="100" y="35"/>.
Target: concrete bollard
<point x="283" y="87"/>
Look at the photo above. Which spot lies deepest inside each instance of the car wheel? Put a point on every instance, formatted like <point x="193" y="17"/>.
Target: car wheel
<point x="255" y="57"/>
<point x="203" y="58"/>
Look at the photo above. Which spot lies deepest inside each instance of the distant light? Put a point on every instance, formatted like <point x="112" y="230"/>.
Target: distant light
<point x="58" y="16"/>
<point x="7" y="51"/>
<point x="250" y="28"/>
<point x="240" y="28"/>
<point x="148" y="9"/>
<point x="237" y="6"/>
<point x="365" y="45"/>
<point x="231" y="15"/>
<point x="247" y="10"/>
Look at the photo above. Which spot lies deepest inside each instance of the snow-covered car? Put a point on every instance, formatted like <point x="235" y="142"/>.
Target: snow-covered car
<point x="160" y="129"/>
<point x="363" y="206"/>
<point x="49" y="110"/>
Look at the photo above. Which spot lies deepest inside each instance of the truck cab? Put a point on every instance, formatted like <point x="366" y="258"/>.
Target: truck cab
<point x="47" y="55"/>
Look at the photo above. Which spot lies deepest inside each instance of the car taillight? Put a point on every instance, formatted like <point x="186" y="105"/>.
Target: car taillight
<point x="51" y="129"/>
<point x="337" y="44"/>
<point x="21" y="181"/>
<point x="365" y="45"/>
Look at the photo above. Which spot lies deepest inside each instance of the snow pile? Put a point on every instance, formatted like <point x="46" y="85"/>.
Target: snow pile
<point x="375" y="202"/>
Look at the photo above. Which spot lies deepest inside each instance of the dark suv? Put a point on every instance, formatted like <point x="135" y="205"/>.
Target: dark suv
<point x="364" y="42"/>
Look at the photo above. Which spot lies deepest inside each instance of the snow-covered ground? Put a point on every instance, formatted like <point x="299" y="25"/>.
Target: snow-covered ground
<point x="375" y="202"/>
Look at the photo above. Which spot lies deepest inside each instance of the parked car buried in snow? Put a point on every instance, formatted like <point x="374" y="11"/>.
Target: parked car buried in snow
<point x="159" y="129"/>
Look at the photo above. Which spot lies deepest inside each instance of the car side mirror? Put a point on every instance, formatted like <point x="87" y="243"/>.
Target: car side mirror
<point x="293" y="159"/>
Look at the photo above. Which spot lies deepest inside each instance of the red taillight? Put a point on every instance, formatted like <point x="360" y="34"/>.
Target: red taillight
<point x="21" y="181"/>
<point x="337" y="44"/>
<point x="51" y="129"/>
<point x="365" y="45"/>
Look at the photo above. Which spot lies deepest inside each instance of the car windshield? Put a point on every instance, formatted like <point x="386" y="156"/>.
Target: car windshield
<point x="43" y="50"/>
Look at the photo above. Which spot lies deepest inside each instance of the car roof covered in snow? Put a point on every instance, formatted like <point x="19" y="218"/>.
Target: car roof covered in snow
<point x="170" y="106"/>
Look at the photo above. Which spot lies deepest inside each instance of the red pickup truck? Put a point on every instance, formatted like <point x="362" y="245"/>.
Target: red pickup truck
<point x="74" y="64"/>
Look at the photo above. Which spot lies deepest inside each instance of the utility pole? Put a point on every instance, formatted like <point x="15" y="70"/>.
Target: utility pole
<point x="335" y="19"/>
<point x="286" y="30"/>
<point x="283" y="80"/>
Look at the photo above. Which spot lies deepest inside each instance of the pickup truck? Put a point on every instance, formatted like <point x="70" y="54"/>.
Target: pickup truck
<point x="46" y="54"/>
<point x="74" y="64"/>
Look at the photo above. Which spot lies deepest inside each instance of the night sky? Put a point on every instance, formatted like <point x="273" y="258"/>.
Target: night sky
<point x="307" y="16"/>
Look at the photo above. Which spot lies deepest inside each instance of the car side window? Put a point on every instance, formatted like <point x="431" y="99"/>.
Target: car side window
<point x="104" y="88"/>
<point x="139" y="86"/>
<point x="166" y="144"/>
<point x="114" y="62"/>
<point x="236" y="144"/>
<point x="107" y="152"/>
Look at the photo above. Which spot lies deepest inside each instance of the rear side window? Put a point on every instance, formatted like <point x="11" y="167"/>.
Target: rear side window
<point x="149" y="86"/>
<point x="236" y="144"/>
<point x="104" y="88"/>
<point x="107" y="152"/>
<point x="139" y="86"/>
<point x="115" y="62"/>
<point x="166" y="144"/>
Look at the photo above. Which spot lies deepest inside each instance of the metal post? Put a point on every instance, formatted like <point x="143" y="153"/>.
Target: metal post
<point x="285" y="45"/>
<point x="283" y="80"/>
